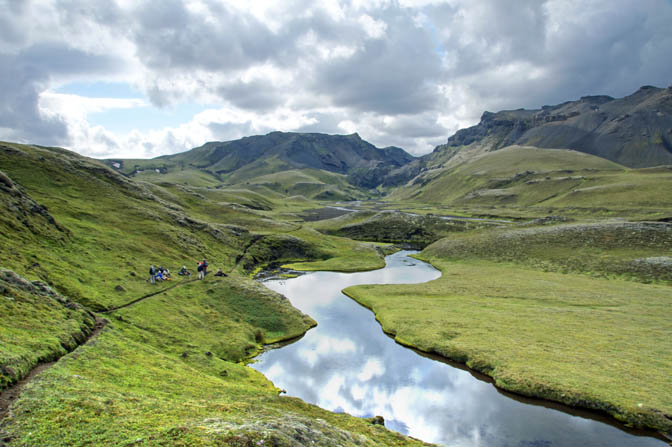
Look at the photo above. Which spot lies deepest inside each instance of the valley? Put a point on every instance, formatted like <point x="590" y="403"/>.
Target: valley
<point x="555" y="261"/>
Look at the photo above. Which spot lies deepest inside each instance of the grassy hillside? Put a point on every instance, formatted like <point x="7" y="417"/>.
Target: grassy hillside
<point x="540" y="180"/>
<point x="624" y="250"/>
<point x="358" y="163"/>
<point x="165" y="370"/>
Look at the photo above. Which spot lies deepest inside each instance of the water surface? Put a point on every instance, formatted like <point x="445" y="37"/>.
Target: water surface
<point x="347" y="364"/>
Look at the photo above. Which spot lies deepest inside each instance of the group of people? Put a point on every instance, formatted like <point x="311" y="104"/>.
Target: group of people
<point x="162" y="274"/>
<point x="158" y="274"/>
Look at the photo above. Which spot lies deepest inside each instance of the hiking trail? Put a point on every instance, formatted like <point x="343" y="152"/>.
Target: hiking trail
<point x="11" y="394"/>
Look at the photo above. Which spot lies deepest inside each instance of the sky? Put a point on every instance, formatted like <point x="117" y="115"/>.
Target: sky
<point x="139" y="79"/>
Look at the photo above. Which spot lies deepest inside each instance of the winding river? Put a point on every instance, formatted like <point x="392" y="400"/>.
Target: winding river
<point x="347" y="364"/>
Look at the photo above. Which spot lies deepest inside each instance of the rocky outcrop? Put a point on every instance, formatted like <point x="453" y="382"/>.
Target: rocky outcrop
<point x="635" y="131"/>
<point x="409" y="230"/>
<point x="21" y="212"/>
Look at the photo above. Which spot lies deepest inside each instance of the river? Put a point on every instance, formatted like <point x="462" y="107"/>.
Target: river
<point x="347" y="364"/>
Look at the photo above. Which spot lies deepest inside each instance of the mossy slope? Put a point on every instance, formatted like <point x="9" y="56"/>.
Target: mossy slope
<point x="38" y="325"/>
<point x="165" y="371"/>
<point x="541" y="180"/>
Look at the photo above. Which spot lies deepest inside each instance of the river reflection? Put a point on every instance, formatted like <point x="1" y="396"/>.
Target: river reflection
<point x="347" y="364"/>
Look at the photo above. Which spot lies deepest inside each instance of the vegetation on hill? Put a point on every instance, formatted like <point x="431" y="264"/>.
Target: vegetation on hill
<point x="165" y="370"/>
<point x="239" y="161"/>
<point x="640" y="251"/>
<point x="410" y="230"/>
<point x="540" y="181"/>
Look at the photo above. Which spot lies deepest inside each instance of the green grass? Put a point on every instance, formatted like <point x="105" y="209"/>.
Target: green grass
<point x="582" y="341"/>
<point x="85" y="229"/>
<point x="166" y="370"/>
<point x="529" y="181"/>
<point x="339" y="254"/>
<point x="38" y="325"/>
<point x="637" y="251"/>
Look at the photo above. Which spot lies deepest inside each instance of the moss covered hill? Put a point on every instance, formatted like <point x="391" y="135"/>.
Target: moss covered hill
<point x="539" y="181"/>
<point x="77" y="239"/>
<point x="332" y="166"/>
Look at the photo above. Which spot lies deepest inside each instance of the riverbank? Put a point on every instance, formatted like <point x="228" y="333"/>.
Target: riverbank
<point x="167" y="371"/>
<point x="585" y="342"/>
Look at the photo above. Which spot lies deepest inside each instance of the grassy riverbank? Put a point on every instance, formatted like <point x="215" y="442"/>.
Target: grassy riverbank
<point x="570" y="338"/>
<point x="166" y="370"/>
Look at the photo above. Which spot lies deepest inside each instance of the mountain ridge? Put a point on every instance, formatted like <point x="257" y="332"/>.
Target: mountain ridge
<point x="364" y="164"/>
<point x="635" y="131"/>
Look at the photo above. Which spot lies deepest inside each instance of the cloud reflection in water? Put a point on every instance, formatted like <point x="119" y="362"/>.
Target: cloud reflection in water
<point x="348" y="364"/>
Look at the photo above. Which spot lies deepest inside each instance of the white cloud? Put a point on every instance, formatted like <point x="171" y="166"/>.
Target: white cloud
<point x="75" y="106"/>
<point x="375" y="29"/>
<point x="373" y="367"/>
<point x="406" y="73"/>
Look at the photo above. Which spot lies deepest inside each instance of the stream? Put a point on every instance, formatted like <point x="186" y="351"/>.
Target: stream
<point x="347" y="364"/>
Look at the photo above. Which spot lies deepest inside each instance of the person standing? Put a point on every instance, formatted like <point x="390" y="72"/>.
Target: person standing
<point x="201" y="270"/>
<point x="205" y="267"/>
<point x="152" y="274"/>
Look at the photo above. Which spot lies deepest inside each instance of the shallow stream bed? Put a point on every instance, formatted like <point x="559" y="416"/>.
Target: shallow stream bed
<point x="347" y="364"/>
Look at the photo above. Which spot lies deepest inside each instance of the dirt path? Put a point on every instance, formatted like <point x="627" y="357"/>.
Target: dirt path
<point x="8" y="396"/>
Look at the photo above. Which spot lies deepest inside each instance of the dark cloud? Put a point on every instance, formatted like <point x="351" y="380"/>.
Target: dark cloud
<point x="427" y="68"/>
<point x="25" y="75"/>
<point x="549" y="52"/>
<point x="254" y="95"/>
<point x="391" y="75"/>
<point x="170" y="37"/>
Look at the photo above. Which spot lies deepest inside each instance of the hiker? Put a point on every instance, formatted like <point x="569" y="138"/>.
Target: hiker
<point x="159" y="275"/>
<point x="205" y="266"/>
<point x="201" y="275"/>
<point x="152" y="274"/>
<point x="220" y="273"/>
<point x="184" y="272"/>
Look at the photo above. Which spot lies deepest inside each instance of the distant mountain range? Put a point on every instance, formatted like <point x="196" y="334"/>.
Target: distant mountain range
<point x="635" y="131"/>
<point x="231" y="162"/>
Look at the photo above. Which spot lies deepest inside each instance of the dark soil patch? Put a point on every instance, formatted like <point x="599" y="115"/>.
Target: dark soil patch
<point x="324" y="213"/>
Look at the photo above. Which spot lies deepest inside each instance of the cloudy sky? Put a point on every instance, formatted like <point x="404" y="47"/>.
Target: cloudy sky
<point x="131" y="78"/>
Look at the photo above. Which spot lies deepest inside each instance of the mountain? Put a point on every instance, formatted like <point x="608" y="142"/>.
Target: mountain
<point x="635" y="131"/>
<point x="239" y="161"/>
